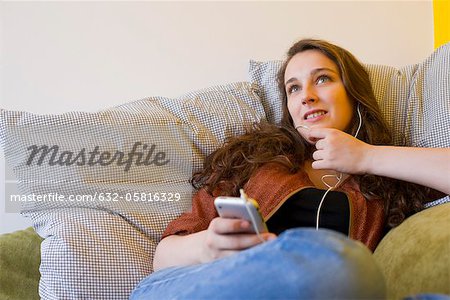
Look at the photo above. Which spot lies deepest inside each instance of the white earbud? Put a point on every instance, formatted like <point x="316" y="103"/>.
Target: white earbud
<point x="301" y="126"/>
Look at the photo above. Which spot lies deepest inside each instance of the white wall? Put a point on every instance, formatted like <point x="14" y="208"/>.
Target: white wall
<point x="63" y="56"/>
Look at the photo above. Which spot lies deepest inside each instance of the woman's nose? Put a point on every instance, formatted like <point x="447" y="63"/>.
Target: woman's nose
<point x="308" y="100"/>
<point x="308" y="96"/>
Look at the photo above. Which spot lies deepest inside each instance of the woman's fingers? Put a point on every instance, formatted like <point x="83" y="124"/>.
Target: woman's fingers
<point x="320" y="144"/>
<point x="318" y="155"/>
<point x="227" y="236"/>
<point x="227" y="225"/>
<point x="320" y="133"/>
<point x="319" y="165"/>
<point x="240" y="241"/>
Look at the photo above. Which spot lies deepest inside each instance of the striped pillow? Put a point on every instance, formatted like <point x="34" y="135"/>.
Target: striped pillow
<point x="100" y="188"/>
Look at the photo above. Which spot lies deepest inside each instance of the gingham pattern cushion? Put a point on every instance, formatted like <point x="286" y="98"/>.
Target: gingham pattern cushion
<point x="100" y="249"/>
<point x="415" y="99"/>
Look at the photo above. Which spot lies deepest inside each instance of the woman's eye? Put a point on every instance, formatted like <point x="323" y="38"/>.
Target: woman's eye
<point x="293" y="89"/>
<point x="322" y="79"/>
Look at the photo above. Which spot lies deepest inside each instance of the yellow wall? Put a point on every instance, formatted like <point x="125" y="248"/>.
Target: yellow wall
<point x="441" y="10"/>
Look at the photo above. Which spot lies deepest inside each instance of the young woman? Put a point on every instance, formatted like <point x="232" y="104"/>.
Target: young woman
<point x="323" y="167"/>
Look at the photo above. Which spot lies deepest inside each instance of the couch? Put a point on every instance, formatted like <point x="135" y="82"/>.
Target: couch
<point x="414" y="258"/>
<point x="99" y="248"/>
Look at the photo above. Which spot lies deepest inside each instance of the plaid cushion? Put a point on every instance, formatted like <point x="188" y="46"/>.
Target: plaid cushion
<point x="415" y="99"/>
<point x="100" y="243"/>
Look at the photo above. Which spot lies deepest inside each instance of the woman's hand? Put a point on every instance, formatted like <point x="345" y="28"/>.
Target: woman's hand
<point x="222" y="238"/>
<point x="226" y="236"/>
<point x="339" y="151"/>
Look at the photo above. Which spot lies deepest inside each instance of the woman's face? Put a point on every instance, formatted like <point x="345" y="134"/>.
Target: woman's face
<point x="316" y="96"/>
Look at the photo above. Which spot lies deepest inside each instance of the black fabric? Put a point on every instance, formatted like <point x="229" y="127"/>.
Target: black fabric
<point x="300" y="210"/>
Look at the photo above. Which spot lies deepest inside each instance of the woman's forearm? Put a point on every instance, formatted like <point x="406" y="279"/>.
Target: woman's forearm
<point x="339" y="151"/>
<point x="426" y="166"/>
<point x="177" y="250"/>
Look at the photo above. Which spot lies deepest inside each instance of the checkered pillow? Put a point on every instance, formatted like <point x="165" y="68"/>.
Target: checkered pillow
<point x="415" y="99"/>
<point x="99" y="244"/>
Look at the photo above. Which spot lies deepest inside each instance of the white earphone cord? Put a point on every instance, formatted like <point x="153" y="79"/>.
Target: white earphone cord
<point x="338" y="177"/>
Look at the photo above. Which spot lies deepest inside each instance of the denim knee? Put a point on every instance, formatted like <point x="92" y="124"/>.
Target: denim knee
<point x="299" y="264"/>
<point x="332" y="261"/>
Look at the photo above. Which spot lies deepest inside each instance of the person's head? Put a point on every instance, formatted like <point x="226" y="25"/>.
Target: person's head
<point x="322" y="85"/>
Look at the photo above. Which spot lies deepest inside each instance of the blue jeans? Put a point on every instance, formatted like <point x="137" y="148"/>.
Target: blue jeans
<point x="299" y="264"/>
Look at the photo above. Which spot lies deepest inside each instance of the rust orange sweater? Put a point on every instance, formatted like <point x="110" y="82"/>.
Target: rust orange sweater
<point x="271" y="186"/>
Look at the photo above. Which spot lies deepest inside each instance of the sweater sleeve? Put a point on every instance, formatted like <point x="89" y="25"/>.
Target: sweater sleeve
<point x="202" y="213"/>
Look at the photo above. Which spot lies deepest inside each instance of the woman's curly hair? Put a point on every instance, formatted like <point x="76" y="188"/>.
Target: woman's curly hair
<point x="232" y="165"/>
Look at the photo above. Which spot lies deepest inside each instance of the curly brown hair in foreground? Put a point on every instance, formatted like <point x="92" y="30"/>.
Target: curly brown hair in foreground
<point x="231" y="166"/>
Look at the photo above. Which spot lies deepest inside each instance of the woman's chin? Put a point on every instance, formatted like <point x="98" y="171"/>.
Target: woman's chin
<point x="306" y="137"/>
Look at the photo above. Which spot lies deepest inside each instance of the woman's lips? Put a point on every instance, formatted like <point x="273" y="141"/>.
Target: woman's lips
<point x="315" y="115"/>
